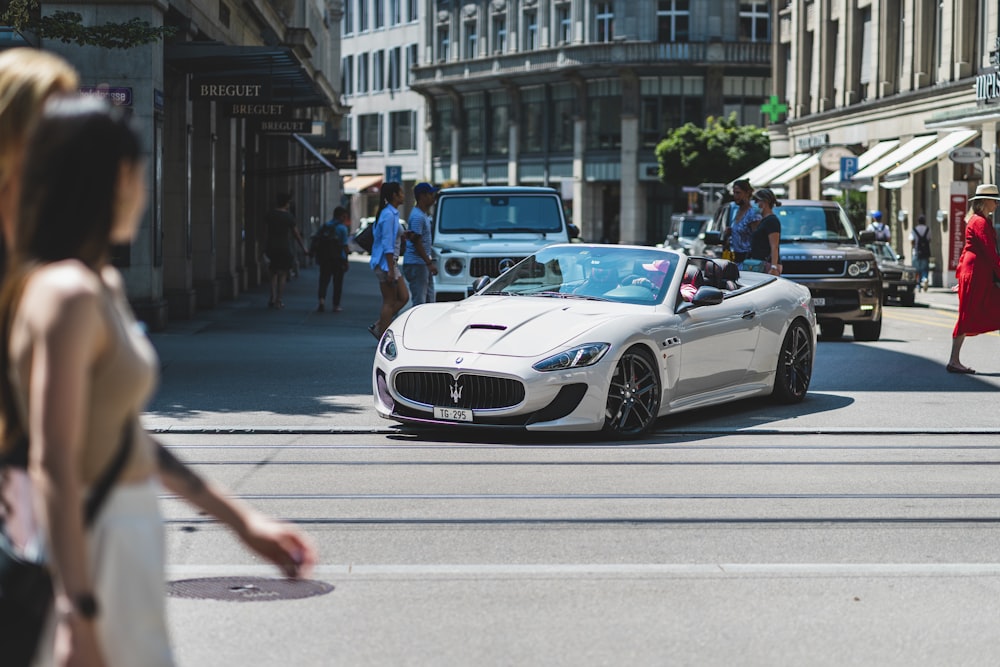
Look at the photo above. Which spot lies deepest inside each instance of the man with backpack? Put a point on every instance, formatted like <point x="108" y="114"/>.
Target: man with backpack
<point x="329" y="248"/>
<point x="920" y="239"/>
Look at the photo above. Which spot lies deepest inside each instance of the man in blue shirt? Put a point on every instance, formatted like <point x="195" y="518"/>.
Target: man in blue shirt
<point x="329" y="247"/>
<point x="418" y="265"/>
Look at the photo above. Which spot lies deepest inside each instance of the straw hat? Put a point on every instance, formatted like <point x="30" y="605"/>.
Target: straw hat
<point x="986" y="191"/>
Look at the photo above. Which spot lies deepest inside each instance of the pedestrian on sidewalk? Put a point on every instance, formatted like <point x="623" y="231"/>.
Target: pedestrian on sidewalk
<point x="881" y="229"/>
<point x="78" y="372"/>
<point x="279" y="230"/>
<point x="328" y="247"/>
<point x="385" y="255"/>
<point x="978" y="273"/>
<point x="920" y="243"/>
<point x="418" y="265"/>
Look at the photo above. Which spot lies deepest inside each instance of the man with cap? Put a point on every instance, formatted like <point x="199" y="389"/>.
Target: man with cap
<point x="880" y="228"/>
<point x="418" y="265"/>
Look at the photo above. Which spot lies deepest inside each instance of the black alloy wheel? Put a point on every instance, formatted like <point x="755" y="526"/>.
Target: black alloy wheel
<point x="634" y="394"/>
<point x="795" y="362"/>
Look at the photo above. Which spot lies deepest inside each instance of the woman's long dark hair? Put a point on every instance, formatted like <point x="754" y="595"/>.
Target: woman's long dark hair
<point x="385" y="194"/>
<point x="69" y="191"/>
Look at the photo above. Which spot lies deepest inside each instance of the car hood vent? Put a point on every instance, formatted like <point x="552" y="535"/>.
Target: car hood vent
<point x="491" y="327"/>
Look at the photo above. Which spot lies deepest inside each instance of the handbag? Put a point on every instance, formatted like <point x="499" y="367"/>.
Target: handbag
<point x="26" y="591"/>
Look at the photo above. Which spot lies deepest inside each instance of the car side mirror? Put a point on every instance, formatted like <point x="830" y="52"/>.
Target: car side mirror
<point x="480" y="283"/>
<point x="708" y="296"/>
<point x="866" y="237"/>
<point x="713" y="237"/>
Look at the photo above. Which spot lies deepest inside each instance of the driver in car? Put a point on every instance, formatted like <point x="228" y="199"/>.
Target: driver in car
<point x="602" y="279"/>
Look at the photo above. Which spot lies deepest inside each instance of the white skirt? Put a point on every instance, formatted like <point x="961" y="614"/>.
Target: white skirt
<point x="126" y="560"/>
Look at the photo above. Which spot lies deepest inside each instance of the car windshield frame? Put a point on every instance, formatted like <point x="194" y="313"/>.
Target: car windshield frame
<point x="814" y="224"/>
<point x="514" y="213"/>
<point x="641" y="276"/>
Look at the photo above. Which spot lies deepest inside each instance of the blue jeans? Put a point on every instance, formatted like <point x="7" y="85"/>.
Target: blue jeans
<point x="923" y="267"/>
<point x="418" y="277"/>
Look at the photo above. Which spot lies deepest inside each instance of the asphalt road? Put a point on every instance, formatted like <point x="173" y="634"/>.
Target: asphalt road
<point x="859" y="527"/>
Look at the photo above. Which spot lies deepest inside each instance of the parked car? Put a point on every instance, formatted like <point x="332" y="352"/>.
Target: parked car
<point x="484" y="231"/>
<point x="684" y="231"/>
<point x="585" y="337"/>
<point x="899" y="280"/>
<point x="821" y="249"/>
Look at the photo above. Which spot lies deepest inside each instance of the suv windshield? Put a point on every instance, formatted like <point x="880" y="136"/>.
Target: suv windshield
<point x="498" y="214"/>
<point x="817" y="224"/>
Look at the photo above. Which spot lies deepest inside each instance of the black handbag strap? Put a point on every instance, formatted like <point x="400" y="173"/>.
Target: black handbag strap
<point x="102" y="487"/>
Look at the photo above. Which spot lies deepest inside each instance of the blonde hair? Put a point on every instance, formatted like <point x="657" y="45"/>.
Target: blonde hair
<point x="977" y="208"/>
<point x="27" y="78"/>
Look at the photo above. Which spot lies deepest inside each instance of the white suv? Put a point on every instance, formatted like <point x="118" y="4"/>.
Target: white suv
<point x="484" y="231"/>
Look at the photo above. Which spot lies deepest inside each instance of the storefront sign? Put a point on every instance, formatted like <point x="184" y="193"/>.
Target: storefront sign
<point x="967" y="155"/>
<point x="120" y="97"/>
<point x="988" y="86"/>
<point x="285" y="126"/>
<point x="262" y="110"/>
<point x="956" y="226"/>
<point x="812" y="141"/>
<point x="245" y="89"/>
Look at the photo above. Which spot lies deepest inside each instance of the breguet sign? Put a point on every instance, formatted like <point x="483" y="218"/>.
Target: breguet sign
<point x="242" y="89"/>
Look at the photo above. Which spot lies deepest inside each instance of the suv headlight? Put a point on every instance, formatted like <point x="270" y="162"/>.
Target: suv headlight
<point x="387" y="345"/>
<point x="859" y="268"/>
<point x="577" y="357"/>
<point x="453" y="266"/>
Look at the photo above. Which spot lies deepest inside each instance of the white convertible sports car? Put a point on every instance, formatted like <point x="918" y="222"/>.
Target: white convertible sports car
<point x="582" y="337"/>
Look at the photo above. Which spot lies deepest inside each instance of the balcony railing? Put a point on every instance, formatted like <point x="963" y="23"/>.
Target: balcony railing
<point x="582" y="55"/>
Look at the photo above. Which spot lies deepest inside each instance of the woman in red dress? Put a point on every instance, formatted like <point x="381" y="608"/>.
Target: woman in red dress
<point x="978" y="268"/>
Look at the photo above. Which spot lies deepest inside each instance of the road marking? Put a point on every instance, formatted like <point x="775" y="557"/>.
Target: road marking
<point x="605" y="569"/>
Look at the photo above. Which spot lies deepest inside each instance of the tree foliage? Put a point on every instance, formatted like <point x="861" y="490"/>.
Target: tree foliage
<point x="716" y="153"/>
<point x="68" y="27"/>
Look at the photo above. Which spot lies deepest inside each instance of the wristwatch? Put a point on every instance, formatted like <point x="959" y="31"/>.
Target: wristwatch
<point x="85" y="604"/>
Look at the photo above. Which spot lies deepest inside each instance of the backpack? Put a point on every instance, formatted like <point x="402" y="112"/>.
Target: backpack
<point x="325" y="246"/>
<point x="366" y="238"/>
<point x="922" y="249"/>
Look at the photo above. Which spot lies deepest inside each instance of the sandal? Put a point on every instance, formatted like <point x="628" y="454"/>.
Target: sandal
<point x="965" y="370"/>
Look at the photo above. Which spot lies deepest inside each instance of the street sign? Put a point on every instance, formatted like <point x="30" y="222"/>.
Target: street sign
<point x="829" y="159"/>
<point x="393" y="173"/>
<point x="848" y="167"/>
<point x="967" y="155"/>
<point x="118" y="96"/>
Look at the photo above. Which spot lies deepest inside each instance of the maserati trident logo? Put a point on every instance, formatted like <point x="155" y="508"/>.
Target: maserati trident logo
<point x="456" y="392"/>
<point x="505" y="264"/>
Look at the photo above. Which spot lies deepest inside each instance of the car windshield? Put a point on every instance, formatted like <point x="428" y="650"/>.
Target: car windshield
<point x="600" y="273"/>
<point x="498" y="214"/>
<point x="818" y="224"/>
<point x="689" y="228"/>
<point x="883" y="252"/>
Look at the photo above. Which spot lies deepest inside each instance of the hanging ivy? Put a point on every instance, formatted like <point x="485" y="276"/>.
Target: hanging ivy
<point x="68" y="27"/>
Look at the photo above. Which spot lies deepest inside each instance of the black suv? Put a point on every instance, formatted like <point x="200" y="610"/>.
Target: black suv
<point x="821" y="250"/>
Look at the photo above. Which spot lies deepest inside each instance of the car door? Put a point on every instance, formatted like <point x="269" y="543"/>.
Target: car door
<point x="717" y="344"/>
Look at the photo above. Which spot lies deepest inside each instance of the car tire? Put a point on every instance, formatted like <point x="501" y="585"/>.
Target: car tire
<point x="867" y="331"/>
<point x="633" y="395"/>
<point x="831" y="330"/>
<point x="795" y="362"/>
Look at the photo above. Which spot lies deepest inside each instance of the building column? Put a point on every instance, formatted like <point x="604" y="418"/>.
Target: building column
<point x="632" y="230"/>
<point x="514" y="133"/>
<point x="202" y="207"/>
<point x="177" y="242"/>
<point x="228" y="243"/>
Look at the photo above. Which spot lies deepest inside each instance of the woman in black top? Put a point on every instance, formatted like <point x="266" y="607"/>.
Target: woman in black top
<point x="764" y="255"/>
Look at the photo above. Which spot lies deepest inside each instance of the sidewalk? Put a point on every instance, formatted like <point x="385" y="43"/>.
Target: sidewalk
<point x="941" y="298"/>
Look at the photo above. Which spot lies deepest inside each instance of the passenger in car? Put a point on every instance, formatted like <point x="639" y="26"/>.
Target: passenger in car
<point x="690" y="282"/>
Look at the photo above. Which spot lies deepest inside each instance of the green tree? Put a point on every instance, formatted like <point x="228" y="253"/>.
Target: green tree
<point x="716" y="153"/>
<point x="25" y="16"/>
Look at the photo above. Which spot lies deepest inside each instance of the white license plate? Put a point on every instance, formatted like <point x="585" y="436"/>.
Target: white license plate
<point x="819" y="301"/>
<point x="453" y="414"/>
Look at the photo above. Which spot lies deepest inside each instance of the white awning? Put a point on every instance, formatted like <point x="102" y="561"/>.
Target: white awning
<point x="931" y="154"/>
<point x="865" y="159"/>
<point x="797" y="171"/>
<point x="891" y="159"/>
<point x="361" y="183"/>
<point x="764" y="167"/>
<point x="782" y="165"/>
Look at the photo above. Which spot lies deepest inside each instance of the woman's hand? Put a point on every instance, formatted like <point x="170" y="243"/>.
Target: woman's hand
<point x="280" y="543"/>
<point x="76" y="643"/>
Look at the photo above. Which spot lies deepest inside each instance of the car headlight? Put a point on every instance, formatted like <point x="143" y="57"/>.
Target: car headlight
<point x="577" y="357"/>
<point x="862" y="268"/>
<point x="453" y="266"/>
<point x="909" y="275"/>
<point x="387" y="345"/>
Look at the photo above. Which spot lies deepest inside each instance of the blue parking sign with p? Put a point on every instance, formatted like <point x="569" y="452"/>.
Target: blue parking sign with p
<point x="848" y="167"/>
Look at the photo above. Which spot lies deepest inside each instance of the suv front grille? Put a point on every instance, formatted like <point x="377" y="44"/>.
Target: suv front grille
<point x="813" y="268"/>
<point x="476" y="392"/>
<point x="488" y="266"/>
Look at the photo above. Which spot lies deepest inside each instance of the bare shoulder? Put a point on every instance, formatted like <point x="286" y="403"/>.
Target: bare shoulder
<point x="62" y="293"/>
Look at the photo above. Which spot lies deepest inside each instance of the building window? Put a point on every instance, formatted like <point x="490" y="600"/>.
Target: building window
<point x="363" y="16"/>
<point x="364" y="61"/>
<point x="755" y="21"/>
<point x="471" y="39"/>
<point x="401" y="131"/>
<point x="395" y="78"/>
<point x="442" y="126"/>
<point x="867" y="61"/>
<point x="347" y="22"/>
<point x="443" y="44"/>
<point x="347" y="75"/>
<point x="499" y="34"/>
<point x="370" y="133"/>
<point x="473" y="134"/>
<point x="378" y="71"/>
<point x="530" y="30"/>
<point x="604" y="114"/>
<point x="395" y="12"/>
<point x="668" y="102"/>
<point x="499" y="127"/>
<point x="532" y="129"/>
<point x="379" y="14"/>
<point x="604" y="21"/>
<point x="564" y="110"/>
<point x="564" y="23"/>
<point x="412" y="52"/>
<point x="673" y="20"/>
<point x="411" y="10"/>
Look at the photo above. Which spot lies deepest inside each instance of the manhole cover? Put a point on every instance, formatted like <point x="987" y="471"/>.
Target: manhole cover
<point x="247" y="589"/>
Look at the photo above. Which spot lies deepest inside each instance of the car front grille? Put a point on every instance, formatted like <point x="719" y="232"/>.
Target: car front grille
<point x="892" y="275"/>
<point x="488" y="266"/>
<point x="837" y="301"/>
<point x="825" y="268"/>
<point x="476" y="392"/>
